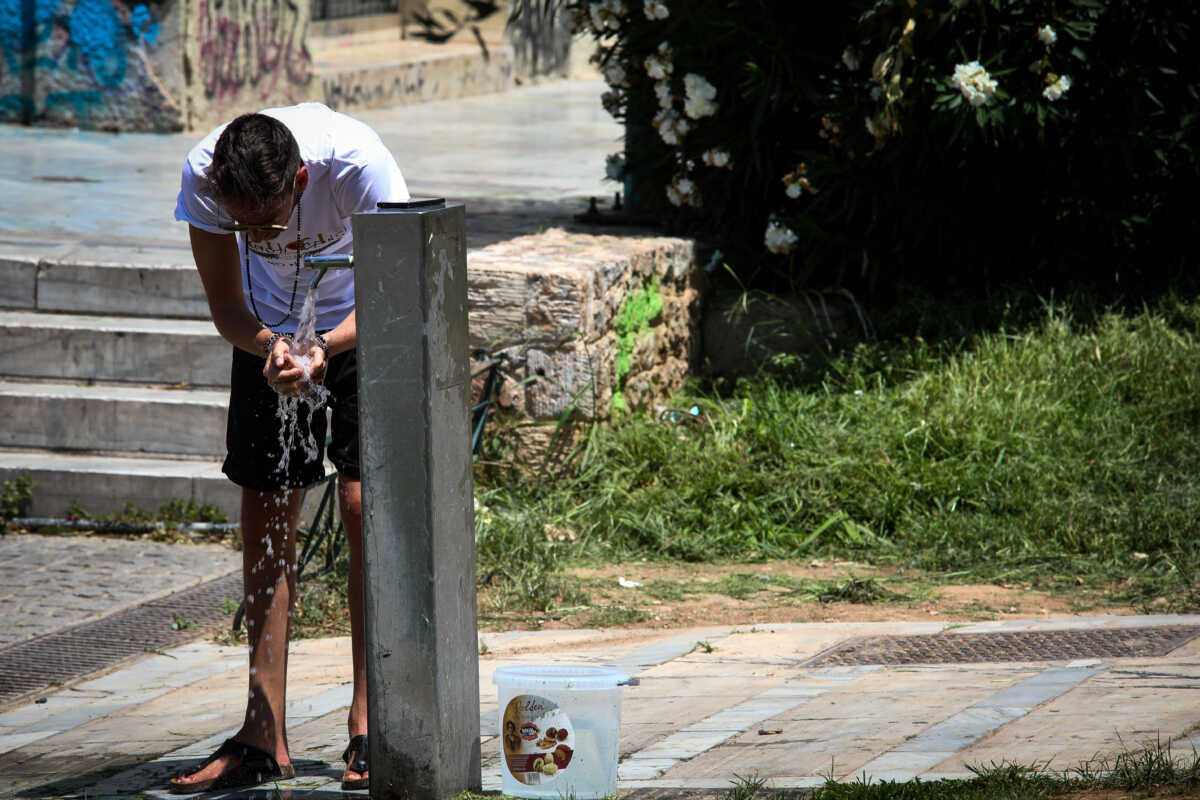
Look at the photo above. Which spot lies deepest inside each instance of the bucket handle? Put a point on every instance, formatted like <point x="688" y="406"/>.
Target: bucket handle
<point x="630" y="682"/>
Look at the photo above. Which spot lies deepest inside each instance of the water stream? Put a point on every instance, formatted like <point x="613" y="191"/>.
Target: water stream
<point x="312" y="397"/>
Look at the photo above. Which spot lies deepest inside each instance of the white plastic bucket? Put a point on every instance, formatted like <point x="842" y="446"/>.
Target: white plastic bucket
<point x="559" y="727"/>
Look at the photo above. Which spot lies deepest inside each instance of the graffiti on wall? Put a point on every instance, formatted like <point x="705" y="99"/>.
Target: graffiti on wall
<point x="251" y="43"/>
<point x="75" y="50"/>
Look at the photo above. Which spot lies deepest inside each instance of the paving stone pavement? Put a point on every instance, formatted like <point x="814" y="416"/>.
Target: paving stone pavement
<point x="752" y="706"/>
<point x="538" y="144"/>
<point x="51" y="582"/>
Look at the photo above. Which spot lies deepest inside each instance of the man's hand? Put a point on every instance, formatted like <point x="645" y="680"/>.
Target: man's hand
<point x="284" y="372"/>
<point x="316" y="367"/>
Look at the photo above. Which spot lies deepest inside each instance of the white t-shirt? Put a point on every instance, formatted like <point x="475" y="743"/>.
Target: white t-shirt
<point x="349" y="170"/>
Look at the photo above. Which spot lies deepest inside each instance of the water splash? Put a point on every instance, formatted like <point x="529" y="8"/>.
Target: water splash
<point x="313" y="396"/>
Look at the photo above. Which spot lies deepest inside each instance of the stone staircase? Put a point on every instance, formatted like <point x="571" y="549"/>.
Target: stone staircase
<point x="364" y="63"/>
<point x="114" y="383"/>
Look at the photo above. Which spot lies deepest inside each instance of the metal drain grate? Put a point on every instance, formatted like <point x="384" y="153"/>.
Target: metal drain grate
<point x="71" y="654"/>
<point x="966" y="648"/>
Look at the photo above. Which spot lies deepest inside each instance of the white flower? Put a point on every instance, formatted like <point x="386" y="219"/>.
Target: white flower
<point x="1057" y="89"/>
<point x="974" y="82"/>
<point x="658" y="65"/>
<point x="662" y="90"/>
<point x="614" y="166"/>
<point x="614" y="73"/>
<point x="794" y="190"/>
<point x="873" y="127"/>
<point x="606" y="15"/>
<point x="716" y="157"/>
<point x="670" y="126"/>
<point x="611" y="101"/>
<point x="1047" y="35"/>
<point x="779" y="238"/>
<point x="851" y="58"/>
<point x="699" y="96"/>
<point x="682" y="191"/>
<point x="656" y="9"/>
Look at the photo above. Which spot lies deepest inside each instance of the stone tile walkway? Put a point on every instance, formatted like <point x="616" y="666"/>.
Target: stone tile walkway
<point x="697" y="720"/>
<point x="51" y="582"/>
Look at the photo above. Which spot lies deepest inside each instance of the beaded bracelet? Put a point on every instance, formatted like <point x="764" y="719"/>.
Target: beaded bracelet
<point x="269" y="347"/>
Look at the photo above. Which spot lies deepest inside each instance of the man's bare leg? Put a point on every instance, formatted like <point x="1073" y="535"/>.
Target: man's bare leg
<point x="350" y="502"/>
<point x="269" y="576"/>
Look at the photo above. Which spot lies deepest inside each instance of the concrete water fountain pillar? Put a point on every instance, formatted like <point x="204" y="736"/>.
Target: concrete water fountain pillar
<point x="410" y="264"/>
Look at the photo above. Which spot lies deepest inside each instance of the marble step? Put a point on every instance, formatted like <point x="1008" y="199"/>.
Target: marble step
<point x="103" y="483"/>
<point x="145" y="279"/>
<point x="105" y="417"/>
<point x="134" y="349"/>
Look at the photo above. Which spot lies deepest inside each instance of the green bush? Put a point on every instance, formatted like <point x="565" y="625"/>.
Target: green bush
<point x="1063" y="151"/>
<point x="16" y="496"/>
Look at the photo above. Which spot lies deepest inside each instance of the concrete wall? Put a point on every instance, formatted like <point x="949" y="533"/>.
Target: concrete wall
<point x="98" y="64"/>
<point x="243" y="55"/>
<point x="161" y="65"/>
<point x="168" y="65"/>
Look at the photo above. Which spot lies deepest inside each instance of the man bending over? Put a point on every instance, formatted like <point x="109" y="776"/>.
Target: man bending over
<point x="287" y="180"/>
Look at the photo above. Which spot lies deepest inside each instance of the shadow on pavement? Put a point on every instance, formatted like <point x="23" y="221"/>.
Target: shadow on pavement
<point x="491" y="220"/>
<point x="153" y="776"/>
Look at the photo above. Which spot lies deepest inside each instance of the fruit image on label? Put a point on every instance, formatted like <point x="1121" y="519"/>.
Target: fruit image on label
<point x="538" y="739"/>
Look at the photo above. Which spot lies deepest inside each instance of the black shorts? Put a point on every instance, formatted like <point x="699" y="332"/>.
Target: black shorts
<point x="253" y="431"/>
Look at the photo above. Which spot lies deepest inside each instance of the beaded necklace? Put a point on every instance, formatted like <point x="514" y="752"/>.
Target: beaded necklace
<point x="295" y="278"/>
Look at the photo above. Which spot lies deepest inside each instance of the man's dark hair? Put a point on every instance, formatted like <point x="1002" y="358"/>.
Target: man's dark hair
<point x="254" y="162"/>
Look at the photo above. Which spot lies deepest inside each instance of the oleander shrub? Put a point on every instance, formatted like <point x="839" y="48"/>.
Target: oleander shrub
<point x="952" y="143"/>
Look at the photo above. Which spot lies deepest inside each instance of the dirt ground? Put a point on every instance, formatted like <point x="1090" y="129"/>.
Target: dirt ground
<point x="651" y="605"/>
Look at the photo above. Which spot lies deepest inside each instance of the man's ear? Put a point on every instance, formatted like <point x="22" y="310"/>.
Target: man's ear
<point x="301" y="179"/>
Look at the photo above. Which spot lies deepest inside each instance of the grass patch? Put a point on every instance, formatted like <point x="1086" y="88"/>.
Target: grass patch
<point x="1056" y="448"/>
<point x="1153" y="771"/>
<point x="322" y="608"/>
<point x="860" y="590"/>
<point x="758" y="585"/>
<point x="16" y="496"/>
<point x="132" y="521"/>
<point x="616" y="616"/>
<point x="668" y="591"/>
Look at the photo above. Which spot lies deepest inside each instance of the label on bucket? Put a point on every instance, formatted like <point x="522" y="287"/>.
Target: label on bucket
<point x="538" y="739"/>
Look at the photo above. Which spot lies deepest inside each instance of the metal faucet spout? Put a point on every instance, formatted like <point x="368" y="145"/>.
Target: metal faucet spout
<point x="323" y="263"/>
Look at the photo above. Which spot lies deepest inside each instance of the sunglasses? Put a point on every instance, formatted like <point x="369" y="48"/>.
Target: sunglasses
<point x="238" y="227"/>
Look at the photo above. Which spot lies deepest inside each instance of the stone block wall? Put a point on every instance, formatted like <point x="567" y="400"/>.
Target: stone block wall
<point x="600" y="323"/>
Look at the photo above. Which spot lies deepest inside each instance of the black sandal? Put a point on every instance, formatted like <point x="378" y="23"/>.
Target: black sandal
<point x="357" y="748"/>
<point x="256" y="767"/>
